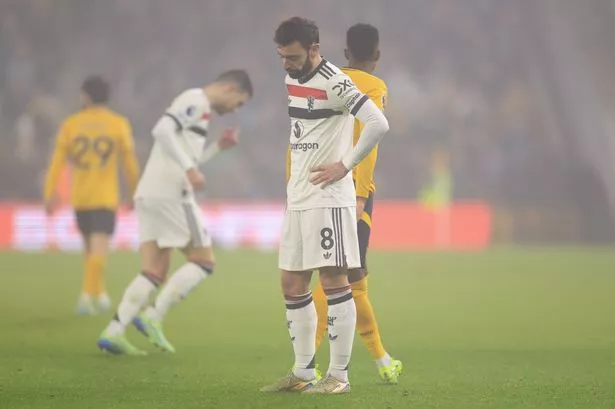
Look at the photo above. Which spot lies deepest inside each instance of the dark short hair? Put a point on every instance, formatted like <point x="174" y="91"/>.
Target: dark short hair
<point x="238" y="77"/>
<point x="297" y="29"/>
<point x="97" y="88"/>
<point x="362" y="41"/>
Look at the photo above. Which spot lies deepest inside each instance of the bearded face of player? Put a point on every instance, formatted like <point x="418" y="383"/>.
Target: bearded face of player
<point x="297" y="60"/>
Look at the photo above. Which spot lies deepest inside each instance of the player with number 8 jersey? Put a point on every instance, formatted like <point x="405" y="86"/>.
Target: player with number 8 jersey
<point x="319" y="231"/>
<point x="93" y="141"/>
<point x="322" y="106"/>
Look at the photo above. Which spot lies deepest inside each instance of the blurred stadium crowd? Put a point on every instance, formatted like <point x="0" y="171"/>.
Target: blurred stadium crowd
<point x="466" y="79"/>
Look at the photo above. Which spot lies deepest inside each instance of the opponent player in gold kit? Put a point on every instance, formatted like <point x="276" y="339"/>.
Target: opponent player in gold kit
<point x="94" y="141"/>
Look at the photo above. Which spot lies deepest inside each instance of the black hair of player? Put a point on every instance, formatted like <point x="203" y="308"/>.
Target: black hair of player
<point x="238" y="77"/>
<point x="297" y="29"/>
<point x="97" y="89"/>
<point x="362" y="40"/>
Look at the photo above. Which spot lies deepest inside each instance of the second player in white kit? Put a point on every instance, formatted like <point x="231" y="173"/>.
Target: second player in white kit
<point x="164" y="200"/>
<point x="168" y="214"/>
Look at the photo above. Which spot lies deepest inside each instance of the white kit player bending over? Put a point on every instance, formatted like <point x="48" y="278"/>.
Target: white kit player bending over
<point x="168" y="215"/>
<point x="319" y="231"/>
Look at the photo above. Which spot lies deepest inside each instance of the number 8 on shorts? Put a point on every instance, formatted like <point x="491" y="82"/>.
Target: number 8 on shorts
<point x="315" y="238"/>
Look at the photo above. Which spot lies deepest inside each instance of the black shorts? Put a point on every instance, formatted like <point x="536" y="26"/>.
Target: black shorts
<point x="92" y="221"/>
<point x="364" y="230"/>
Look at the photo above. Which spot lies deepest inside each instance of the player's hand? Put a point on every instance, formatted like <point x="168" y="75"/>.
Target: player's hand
<point x="360" y="206"/>
<point x="51" y="205"/>
<point x="196" y="178"/>
<point x="326" y="175"/>
<point x="228" y="139"/>
<point x="49" y="208"/>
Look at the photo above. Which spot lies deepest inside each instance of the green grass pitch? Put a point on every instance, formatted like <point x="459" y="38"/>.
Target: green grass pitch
<point x="507" y="328"/>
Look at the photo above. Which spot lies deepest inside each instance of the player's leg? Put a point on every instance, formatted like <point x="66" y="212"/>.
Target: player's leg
<point x="301" y="323"/>
<point x="300" y="311"/>
<point x="102" y="229"/>
<point x="320" y="302"/>
<point x="341" y="320"/>
<point x="333" y="244"/>
<point x="199" y="265"/>
<point x="85" y="304"/>
<point x="154" y="265"/>
<point x="155" y="262"/>
<point x="185" y="230"/>
<point x="200" y="262"/>
<point x="367" y="325"/>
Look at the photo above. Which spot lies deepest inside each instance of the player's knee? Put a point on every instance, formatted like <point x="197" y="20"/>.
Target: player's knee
<point x="206" y="265"/>
<point x="98" y="243"/>
<point x="334" y="277"/>
<point x="294" y="283"/>
<point x="155" y="276"/>
<point x="356" y="274"/>
<point x="154" y="269"/>
<point x="359" y="288"/>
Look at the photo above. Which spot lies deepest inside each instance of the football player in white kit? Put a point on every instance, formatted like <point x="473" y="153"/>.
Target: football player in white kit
<point x="319" y="231"/>
<point x="168" y="214"/>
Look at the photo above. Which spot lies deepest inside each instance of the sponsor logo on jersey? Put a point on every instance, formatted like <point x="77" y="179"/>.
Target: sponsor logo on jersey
<point x="343" y="87"/>
<point x="326" y="255"/>
<point x="332" y="337"/>
<point x="304" y="146"/>
<point x="298" y="129"/>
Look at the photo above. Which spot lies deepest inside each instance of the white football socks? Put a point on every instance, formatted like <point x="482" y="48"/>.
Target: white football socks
<point x="342" y="321"/>
<point x="183" y="281"/>
<point x="137" y="294"/>
<point x="302" y="321"/>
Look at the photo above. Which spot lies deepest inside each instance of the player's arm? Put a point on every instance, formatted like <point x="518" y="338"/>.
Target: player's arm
<point x="166" y="132"/>
<point x="228" y="139"/>
<point x="129" y="157"/>
<point x="185" y="111"/>
<point x="364" y="176"/>
<point x="58" y="160"/>
<point x="375" y="126"/>
<point x="345" y="95"/>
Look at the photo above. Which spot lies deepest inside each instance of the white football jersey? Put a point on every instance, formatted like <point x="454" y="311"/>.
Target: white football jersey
<point x="321" y="107"/>
<point x="163" y="177"/>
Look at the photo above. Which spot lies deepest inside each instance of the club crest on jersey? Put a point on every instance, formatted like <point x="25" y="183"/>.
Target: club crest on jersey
<point x="190" y="110"/>
<point x="310" y="103"/>
<point x="298" y="129"/>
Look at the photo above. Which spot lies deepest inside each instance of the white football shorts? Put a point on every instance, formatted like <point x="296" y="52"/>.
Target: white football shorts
<point x="171" y="223"/>
<point x="316" y="238"/>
